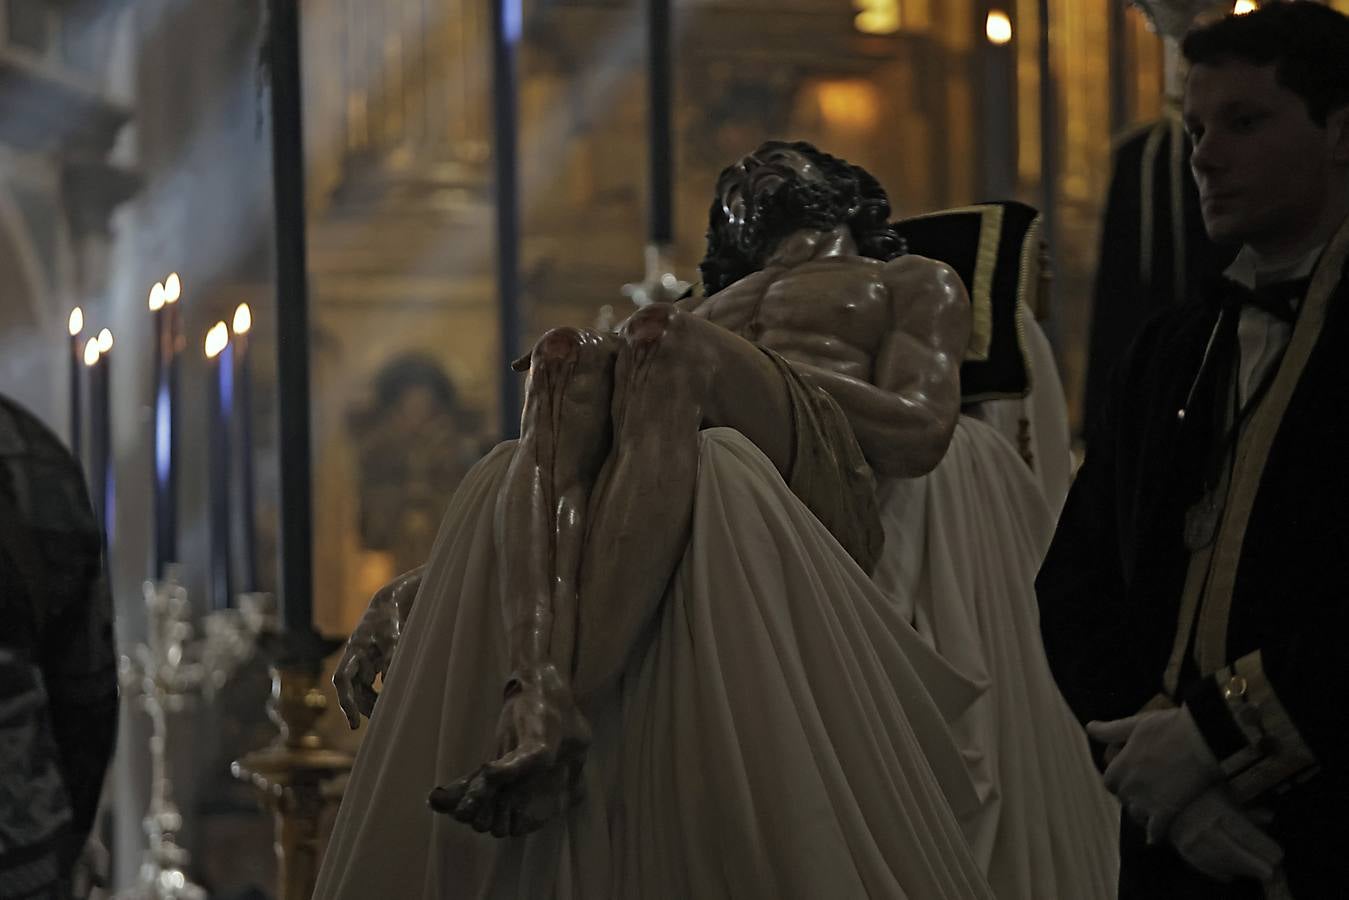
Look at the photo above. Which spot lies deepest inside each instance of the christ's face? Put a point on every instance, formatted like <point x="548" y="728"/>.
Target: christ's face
<point x="777" y="190"/>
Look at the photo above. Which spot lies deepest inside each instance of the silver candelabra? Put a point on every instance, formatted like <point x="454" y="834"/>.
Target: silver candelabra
<point x="166" y="674"/>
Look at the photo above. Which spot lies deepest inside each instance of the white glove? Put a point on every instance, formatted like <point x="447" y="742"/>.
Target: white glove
<point x="1222" y="841"/>
<point x="1164" y="763"/>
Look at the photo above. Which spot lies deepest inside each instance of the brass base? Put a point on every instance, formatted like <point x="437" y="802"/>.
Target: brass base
<point x="292" y="773"/>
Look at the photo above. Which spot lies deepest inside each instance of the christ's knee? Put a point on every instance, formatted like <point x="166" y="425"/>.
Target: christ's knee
<point x="657" y="337"/>
<point x="661" y="371"/>
<point x="570" y="347"/>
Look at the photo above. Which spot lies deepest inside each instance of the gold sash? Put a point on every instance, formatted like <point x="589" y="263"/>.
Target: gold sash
<point x="1211" y="578"/>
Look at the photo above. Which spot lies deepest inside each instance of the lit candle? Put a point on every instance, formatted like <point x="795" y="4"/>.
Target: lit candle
<point x="75" y="325"/>
<point x="173" y="348"/>
<point x="98" y="358"/>
<point x="218" y="399"/>
<point x="160" y="432"/>
<point x="243" y="411"/>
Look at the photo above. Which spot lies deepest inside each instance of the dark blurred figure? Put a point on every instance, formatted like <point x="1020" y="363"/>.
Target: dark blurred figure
<point x="58" y="674"/>
<point x="1154" y="249"/>
<point x="1151" y="259"/>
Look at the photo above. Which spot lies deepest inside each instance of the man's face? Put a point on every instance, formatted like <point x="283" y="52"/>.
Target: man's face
<point x="1264" y="168"/>
<point x="1173" y="18"/>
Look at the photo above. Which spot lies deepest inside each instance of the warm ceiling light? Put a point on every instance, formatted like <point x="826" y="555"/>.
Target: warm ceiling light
<point x="1244" y="6"/>
<point x="104" y="341"/>
<point x="91" y="351"/>
<point x="75" y="324"/>
<point x="877" y="16"/>
<point x="157" y="299"/>
<point x="998" y="27"/>
<point x="243" y="319"/>
<point x="216" y="340"/>
<point x="173" y="288"/>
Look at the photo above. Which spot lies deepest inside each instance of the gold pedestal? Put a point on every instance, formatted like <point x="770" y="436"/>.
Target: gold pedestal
<point x="291" y="775"/>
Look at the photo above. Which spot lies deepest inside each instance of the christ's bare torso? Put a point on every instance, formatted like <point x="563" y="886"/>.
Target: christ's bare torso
<point x="832" y="313"/>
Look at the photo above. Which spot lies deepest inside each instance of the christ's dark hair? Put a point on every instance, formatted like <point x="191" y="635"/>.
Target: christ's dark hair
<point x="1306" y="42"/>
<point x="852" y="197"/>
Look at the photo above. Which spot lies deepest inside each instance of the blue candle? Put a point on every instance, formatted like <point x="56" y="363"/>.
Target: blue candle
<point x="243" y="412"/>
<point x="76" y="358"/>
<point x="98" y="358"/>
<point x="162" y="425"/>
<point x="220" y="390"/>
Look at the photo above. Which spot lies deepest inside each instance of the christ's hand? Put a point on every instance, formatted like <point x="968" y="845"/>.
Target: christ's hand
<point x="369" y="652"/>
<point x="542" y="740"/>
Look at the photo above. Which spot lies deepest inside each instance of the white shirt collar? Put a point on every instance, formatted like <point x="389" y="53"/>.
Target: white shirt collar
<point x="1249" y="270"/>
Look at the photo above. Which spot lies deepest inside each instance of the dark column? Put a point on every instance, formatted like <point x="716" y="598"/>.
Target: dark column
<point x="660" y="138"/>
<point x="507" y="23"/>
<point x="292" y="318"/>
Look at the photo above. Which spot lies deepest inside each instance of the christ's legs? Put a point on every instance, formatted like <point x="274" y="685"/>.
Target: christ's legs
<point x="674" y="375"/>
<point x="540" y="522"/>
<point x="582" y="569"/>
<point x="540" y="527"/>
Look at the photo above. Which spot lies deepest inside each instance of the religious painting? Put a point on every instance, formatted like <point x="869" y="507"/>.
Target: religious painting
<point x="414" y="441"/>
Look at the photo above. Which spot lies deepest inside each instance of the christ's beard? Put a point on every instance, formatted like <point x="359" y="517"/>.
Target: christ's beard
<point x="793" y="205"/>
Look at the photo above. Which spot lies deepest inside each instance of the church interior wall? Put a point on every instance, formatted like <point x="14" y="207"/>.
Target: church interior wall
<point x="397" y="133"/>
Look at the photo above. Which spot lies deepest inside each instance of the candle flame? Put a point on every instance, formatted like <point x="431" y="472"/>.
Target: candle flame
<point x="243" y="319"/>
<point x="157" y="299"/>
<point x="216" y="340"/>
<point x="104" y="341"/>
<point x="91" y="351"/>
<point x="76" y="323"/>
<point x="1244" y="6"/>
<point x="998" y="27"/>
<point x="173" y="288"/>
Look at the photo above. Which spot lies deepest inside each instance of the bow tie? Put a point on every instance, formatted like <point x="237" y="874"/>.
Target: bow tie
<point x="1276" y="299"/>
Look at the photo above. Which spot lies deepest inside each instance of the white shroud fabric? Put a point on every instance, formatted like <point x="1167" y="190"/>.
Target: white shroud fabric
<point x="963" y="545"/>
<point x="1045" y="411"/>
<point x="783" y="733"/>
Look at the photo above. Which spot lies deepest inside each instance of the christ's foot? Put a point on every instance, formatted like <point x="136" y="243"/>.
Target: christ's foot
<point x="537" y="774"/>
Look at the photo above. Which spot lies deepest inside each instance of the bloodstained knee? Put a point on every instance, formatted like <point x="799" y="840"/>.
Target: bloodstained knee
<point x="652" y="324"/>
<point x="575" y="349"/>
<point x="662" y="362"/>
<point x="559" y="345"/>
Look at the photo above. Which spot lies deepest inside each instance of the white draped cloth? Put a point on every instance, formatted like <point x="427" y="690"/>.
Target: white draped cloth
<point x="1039" y="421"/>
<point x="788" y="729"/>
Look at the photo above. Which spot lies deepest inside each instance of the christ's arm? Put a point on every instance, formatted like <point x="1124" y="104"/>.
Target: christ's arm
<point x="904" y="420"/>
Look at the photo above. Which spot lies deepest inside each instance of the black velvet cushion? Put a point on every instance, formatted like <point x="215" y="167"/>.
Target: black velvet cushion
<point x="995" y="249"/>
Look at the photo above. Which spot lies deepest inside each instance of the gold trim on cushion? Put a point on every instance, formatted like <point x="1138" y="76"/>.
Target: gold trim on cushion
<point x="1253" y="452"/>
<point x="985" y="264"/>
<point x="1283" y="752"/>
<point x="1031" y="246"/>
<point x="990" y="234"/>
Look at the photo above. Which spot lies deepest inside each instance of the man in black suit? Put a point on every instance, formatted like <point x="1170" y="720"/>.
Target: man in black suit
<point x="1193" y="600"/>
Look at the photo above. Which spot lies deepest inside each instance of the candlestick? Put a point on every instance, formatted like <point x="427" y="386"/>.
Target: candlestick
<point x="75" y="325"/>
<point x="243" y="408"/>
<point x="219" y="401"/>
